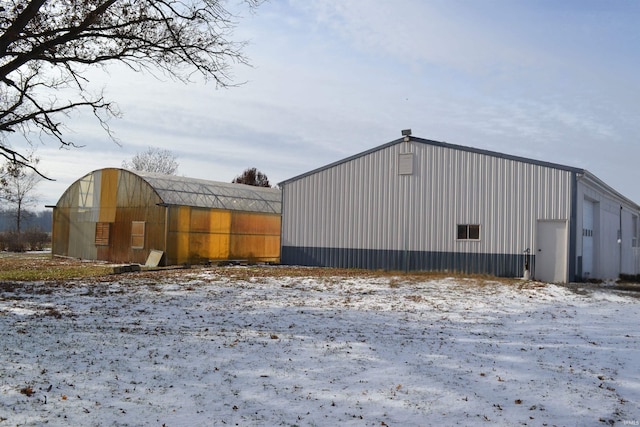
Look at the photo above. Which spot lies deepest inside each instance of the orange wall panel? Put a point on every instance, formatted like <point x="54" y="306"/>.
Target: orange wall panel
<point x="255" y="247"/>
<point x="199" y="220"/>
<point x="255" y="223"/>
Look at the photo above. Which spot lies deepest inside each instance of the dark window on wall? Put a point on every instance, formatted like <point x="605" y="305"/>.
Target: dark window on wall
<point x="468" y="232"/>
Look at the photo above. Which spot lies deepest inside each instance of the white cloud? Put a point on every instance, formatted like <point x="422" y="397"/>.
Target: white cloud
<point x="332" y="78"/>
<point x="431" y="33"/>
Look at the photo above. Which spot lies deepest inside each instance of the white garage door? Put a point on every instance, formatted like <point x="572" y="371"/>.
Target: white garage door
<point x="587" y="239"/>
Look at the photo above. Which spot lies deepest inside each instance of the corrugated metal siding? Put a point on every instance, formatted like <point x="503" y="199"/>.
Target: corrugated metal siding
<point x="497" y="264"/>
<point x="365" y="204"/>
<point x="610" y="258"/>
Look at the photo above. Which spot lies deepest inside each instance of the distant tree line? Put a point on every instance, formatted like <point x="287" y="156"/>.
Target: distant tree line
<point x="41" y="220"/>
<point x="35" y="231"/>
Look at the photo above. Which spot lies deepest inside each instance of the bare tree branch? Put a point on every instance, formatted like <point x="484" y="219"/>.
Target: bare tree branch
<point x="47" y="45"/>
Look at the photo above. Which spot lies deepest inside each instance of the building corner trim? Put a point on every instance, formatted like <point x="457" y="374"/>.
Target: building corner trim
<point x="573" y="223"/>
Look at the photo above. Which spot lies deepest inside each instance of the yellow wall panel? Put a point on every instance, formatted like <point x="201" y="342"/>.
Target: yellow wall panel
<point x="198" y="247"/>
<point x="210" y="221"/>
<point x="208" y="246"/>
<point x="179" y="236"/>
<point x="182" y="248"/>
<point x="218" y="246"/>
<point x="180" y="219"/>
<point x="108" y="195"/>
<point x="220" y="221"/>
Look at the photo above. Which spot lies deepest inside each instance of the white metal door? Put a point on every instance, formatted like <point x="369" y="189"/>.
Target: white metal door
<point x="587" y="239"/>
<point x="551" y="251"/>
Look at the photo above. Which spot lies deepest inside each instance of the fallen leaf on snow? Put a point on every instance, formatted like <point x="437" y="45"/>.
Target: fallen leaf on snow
<point x="27" y="391"/>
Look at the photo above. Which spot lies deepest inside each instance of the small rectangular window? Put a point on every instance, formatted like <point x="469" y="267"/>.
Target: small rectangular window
<point x="474" y="232"/>
<point x="102" y="233"/>
<point x="137" y="234"/>
<point x="468" y="232"/>
<point x="463" y="232"/>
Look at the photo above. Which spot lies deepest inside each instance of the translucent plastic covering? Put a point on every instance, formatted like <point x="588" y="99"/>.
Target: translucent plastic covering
<point x="178" y="190"/>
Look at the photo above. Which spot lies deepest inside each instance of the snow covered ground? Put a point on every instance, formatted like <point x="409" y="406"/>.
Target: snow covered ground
<point x="226" y="347"/>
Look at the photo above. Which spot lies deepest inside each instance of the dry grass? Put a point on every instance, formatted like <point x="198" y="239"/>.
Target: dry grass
<point x="39" y="266"/>
<point x="24" y="267"/>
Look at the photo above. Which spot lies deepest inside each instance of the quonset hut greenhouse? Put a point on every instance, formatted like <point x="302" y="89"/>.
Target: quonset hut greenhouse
<point x="121" y="216"/>
<point x="417" y="204"/>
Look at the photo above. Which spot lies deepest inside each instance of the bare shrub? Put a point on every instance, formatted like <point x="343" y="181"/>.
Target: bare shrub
<point x="12" y="241"/>
<point x="31" y="240"/>
<point x="35" y="239"/>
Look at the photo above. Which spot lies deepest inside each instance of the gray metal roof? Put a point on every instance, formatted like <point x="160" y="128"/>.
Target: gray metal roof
<point x="179" y="190"/>
<point x="438" y="144"/>
<point x="582" y="173"/>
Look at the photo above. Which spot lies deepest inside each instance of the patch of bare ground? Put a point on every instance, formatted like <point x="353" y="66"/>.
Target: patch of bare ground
<point x="627" y="288"/>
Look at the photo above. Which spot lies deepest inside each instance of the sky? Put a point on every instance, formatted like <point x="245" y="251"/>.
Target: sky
<point x="548" y="80"/>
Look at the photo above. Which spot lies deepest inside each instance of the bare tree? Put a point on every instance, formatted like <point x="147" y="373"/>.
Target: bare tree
<point x="46" y="47"/>
<point x="153" y="160"/>
<point x="17" y="189"/>
<point x="252" y="176"/>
